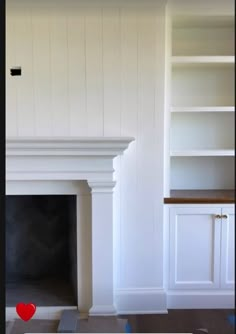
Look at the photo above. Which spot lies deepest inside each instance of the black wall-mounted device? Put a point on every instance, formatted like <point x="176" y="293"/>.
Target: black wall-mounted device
<point x="15" y="71"/>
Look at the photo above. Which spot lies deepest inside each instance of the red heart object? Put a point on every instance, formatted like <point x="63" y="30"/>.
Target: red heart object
<point x="25" y="311"/>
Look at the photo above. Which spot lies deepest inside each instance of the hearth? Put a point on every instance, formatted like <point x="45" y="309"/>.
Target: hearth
<point x="41" y="263"/>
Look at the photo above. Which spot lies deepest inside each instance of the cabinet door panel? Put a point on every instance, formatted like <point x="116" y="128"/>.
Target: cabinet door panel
<point x="227" y="246"/>
<point x="194" y="248"/>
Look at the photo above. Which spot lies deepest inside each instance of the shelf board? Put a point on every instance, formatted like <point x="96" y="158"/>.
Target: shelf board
<point x="201" y="153"/>
<point x="204" y="109"/>
<point x="200" y="196"/>
<point x="185" y="60"/>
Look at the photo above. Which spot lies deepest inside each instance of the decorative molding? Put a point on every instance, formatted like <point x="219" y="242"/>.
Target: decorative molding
<point x="101" y="187"/>
<point x="141" y="301"/>
<point x="63" y="158"/>
<point x="74" y="146"/>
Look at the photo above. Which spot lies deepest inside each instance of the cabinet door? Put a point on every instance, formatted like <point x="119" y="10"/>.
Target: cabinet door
<point x="194" y="248"/>
<point x="227" y="249"/>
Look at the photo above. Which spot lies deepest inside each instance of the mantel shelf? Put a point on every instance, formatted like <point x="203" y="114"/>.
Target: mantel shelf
<point x="67" y="146"/>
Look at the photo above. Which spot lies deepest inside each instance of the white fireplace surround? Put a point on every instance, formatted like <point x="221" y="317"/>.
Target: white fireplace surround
<point x="53" y="166"/>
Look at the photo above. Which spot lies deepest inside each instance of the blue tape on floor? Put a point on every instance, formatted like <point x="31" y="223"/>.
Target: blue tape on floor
<point x="128" y="328"/>
<point x="231" y="319"/>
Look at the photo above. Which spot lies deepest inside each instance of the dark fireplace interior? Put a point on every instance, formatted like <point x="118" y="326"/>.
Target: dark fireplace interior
<point x="41" y="250"/>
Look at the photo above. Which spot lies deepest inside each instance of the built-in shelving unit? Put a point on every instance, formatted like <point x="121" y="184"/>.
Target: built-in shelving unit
<point x="202" y="104"/>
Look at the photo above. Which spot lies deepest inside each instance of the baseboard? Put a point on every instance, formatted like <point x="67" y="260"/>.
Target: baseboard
<point x="102" y="310"/>
<point x="200" y="299"/>
<point x="140" y="301"/>
<point x="42" y="312"/>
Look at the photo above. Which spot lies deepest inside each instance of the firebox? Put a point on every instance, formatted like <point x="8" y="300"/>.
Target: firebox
<point x="41" y="263"/>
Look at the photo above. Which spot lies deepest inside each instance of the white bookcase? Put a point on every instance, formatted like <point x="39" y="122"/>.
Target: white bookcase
<point x="199" y="179"/>
<point x="202" y="103"/>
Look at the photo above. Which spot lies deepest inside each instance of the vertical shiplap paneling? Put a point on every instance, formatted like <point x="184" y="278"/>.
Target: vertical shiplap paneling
<point x="128" y="177"/>
<point x="111" y="71"/>
<point x="59" y="67"/>
<point x="11" y="84"/>
<point x="111" y="40"/>
<point x="42" y="72"/>
<point x="94" y="74"/>
<point x="116" y="222"/>
<point x="162" y="88"/>
<point x="25" y="89"/>
<point x="77" y="73"/>
<point x="94" y="71"/>
<point x="145" y="196"/>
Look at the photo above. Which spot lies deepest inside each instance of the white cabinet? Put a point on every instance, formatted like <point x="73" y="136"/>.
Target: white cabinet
<point x="201" y="247"/>
<point x="227" y="269"/>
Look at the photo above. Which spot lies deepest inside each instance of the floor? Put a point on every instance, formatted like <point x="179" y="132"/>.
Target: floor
<point x="91" y="325"/>
<point x="176" y="321"/>
<point x="183" y="321"/>
<point x="34" y="326"/>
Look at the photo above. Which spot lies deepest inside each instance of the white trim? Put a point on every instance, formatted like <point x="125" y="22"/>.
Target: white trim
<point x="73" y="146"/>
<point x="103" y="310"/>
<point x="227" y="248"/>
<point x="141" y="301"/>
<point x="187" y="60"/>
<point x="202" y="153"/>
<point x="204" y="109"/>
<point x="101" y="187"/>
<point x="200" y="299"/>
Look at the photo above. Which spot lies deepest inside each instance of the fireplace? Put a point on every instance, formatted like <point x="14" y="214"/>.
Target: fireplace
<point x="83" y="168"/>
<point x="41" y="264"/>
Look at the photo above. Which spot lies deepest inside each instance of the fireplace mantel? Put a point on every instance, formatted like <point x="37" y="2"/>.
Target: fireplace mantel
<point x="76" y="158"/>
<point x="74" y="146"/>
<point x="32" y="160"/>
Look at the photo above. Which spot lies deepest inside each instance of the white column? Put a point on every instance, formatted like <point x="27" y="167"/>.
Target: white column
<point x="102" y="248"/>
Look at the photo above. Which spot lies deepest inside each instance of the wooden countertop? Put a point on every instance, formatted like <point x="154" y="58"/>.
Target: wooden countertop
<point x="200" y="197"/>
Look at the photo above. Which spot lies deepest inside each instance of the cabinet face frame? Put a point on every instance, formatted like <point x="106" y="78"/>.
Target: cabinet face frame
<point x="173" y="261"/>
<point x="227" y="249"/>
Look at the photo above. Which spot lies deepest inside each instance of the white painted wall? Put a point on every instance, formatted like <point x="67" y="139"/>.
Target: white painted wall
<point x="97" y="68"/>
<point x="99" y="71"/>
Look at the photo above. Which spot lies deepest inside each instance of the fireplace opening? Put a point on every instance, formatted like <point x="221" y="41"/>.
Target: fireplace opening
<point x="41" y="260"/>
